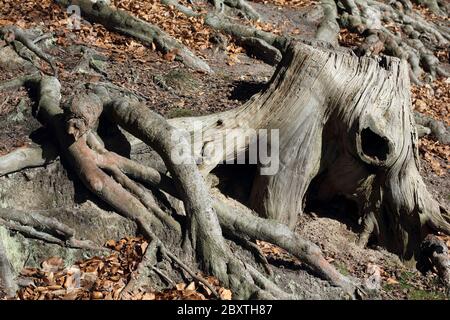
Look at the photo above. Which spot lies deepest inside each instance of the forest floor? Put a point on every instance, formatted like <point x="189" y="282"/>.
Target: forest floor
<point x="173" y="90"/>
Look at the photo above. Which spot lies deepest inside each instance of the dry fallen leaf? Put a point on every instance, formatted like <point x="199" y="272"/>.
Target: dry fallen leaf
<point x="191" y="286"/>
<point x="391" y="281"/>
<point x="181" y="286"/>
<point x="52" y="264"/>
<point x="225" y="294"/>
<point x="149" y="296"/>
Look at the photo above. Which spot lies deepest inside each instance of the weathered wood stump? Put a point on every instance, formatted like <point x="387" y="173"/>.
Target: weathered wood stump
<point x="344" y="122"/>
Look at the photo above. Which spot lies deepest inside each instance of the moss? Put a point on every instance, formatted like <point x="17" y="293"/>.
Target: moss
<point x="15" y="249"/>
<point x="341" y="268"/>
<point x="406" y="282"/>
<point x="181" y="80"/>
<point x="180" y="112"/>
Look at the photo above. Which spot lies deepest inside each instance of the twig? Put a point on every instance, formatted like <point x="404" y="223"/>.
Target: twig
<point x="148" y="260"/>
<point x="189" y="271"/>
<point x="164" y="276"/>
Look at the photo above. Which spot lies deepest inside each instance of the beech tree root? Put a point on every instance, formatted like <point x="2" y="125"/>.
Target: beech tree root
<point x="435" y="256"/>
<point x="375" y="21"/>
<point x="121" y="22"/>
<point x="110" y="177"/>
<point x="345" y="128"/>
<point x="13" y="34"/>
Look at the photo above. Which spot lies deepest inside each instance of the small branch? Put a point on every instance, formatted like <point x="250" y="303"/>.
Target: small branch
<point x="20" y="82"/>
<point x="173" y="257"/>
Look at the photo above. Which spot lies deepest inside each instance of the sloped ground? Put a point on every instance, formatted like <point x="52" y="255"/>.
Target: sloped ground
<point x="96" y="55"/>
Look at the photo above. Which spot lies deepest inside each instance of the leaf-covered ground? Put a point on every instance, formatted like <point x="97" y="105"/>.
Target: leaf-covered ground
<point x="173" y="91"/>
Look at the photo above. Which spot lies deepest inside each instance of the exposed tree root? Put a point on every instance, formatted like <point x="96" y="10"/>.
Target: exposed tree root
<point x="20" y="82"/>
<point x="345" y="129"/>
<point x="329" y="28"/>
<point x="27" y="157"/>
<point x="435" y="6"/>
<point x="374" y="20"/>
<point x="140" y="277"/>
<point x="13" y="33"/>
<point x="435" y="255"/>
<point x="205" y="232"/>
<point x="38" y="226"/>
<point x="120" y="21"/>
<point x="244" y="7"/>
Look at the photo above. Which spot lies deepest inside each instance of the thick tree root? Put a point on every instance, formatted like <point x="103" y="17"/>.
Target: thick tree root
<point x="20" y="82"/>
<point x="27" y="157"/>
<point x="120" y="21"/>
<point x="13" y="33"/>
<point x="315" y="92"/>
<point x="38" y="226"/>
<point x="244" y="7"/>
<point x="435" y="255"/>
<point x="259" y="44"/>
<point x="244" y="223"/>
<point x="388" y="192"/>
<point x="329" y="28"/>
<point x="91" y="161"/>
<point x="205" y="232"/>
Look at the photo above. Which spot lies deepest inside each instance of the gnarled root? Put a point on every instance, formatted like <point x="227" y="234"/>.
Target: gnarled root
<point x="434" y="254"/>
<point x="120" y="21"/>
<point x="109" y="176"/>
<point x="342" y="99"/>
<point x="374" y="20"/>
<point x="38" y="226"/>
<point x="13" y="33"/>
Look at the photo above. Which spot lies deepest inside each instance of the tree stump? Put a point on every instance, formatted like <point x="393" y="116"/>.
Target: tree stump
<point x="345" y="126"/>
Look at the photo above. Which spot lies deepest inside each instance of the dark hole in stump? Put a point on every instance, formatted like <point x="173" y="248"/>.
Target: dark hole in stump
<point x="373" y="145"/>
